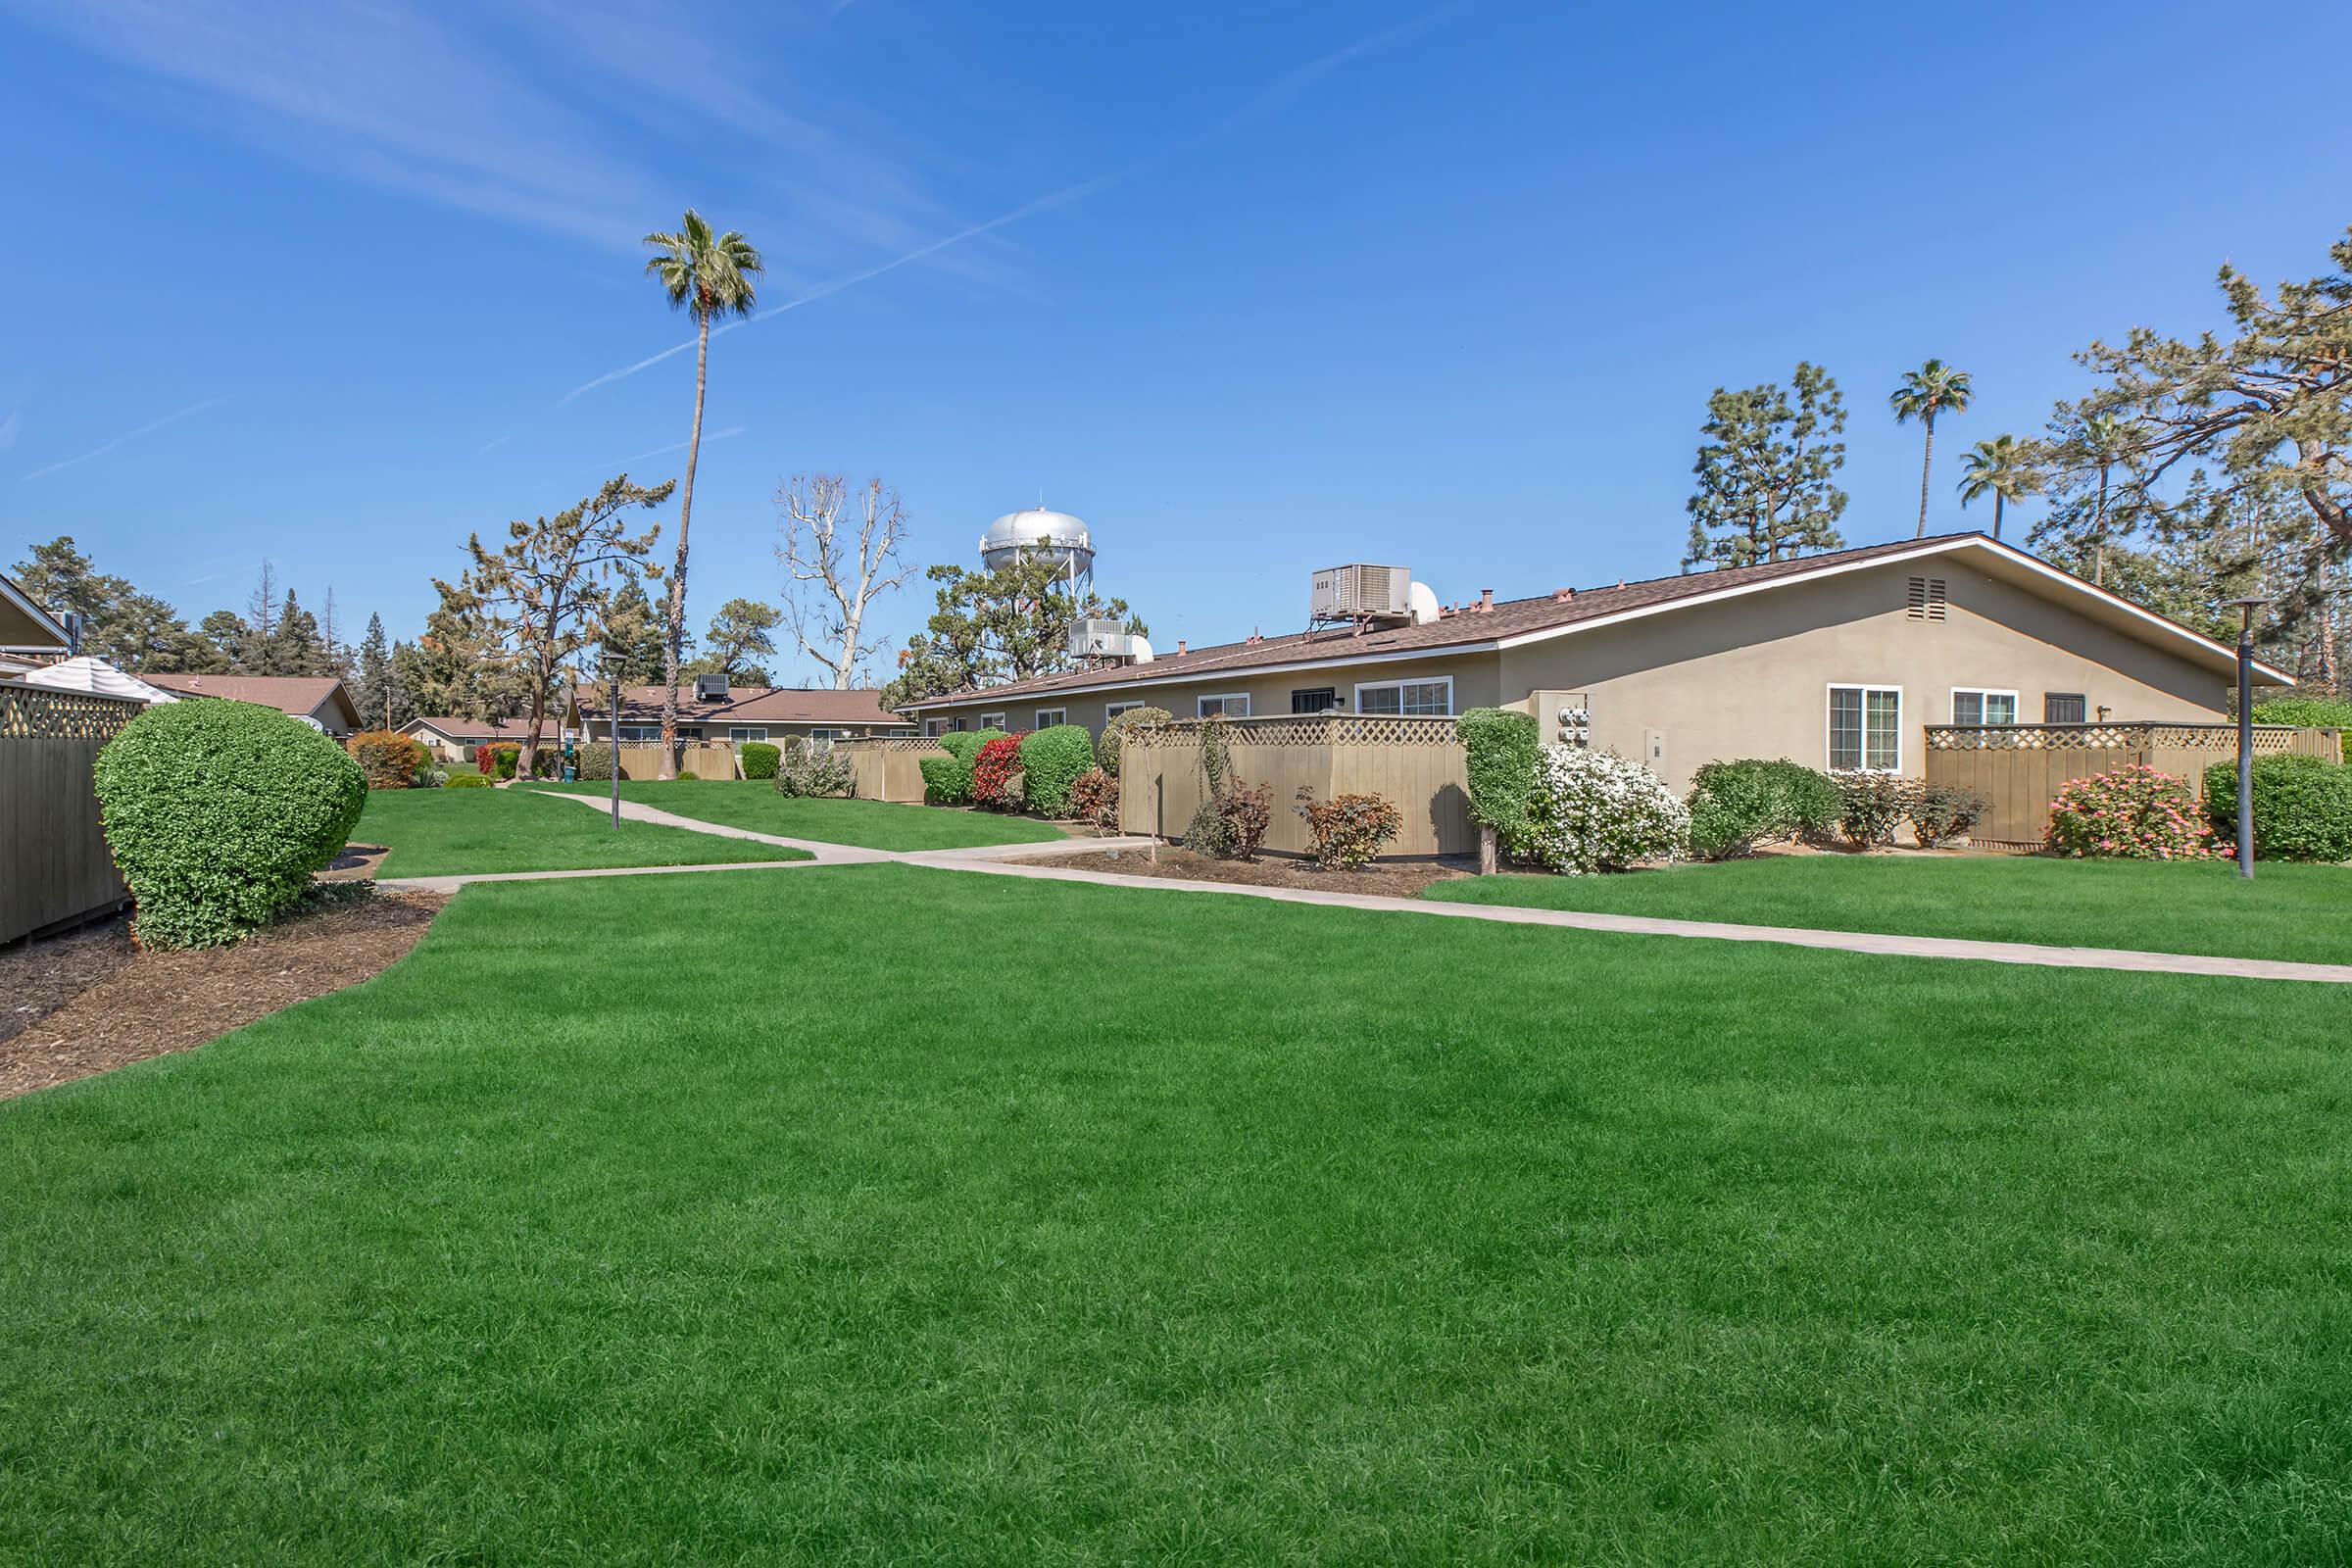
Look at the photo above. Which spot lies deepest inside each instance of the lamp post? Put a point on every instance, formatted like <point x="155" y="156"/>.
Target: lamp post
<point x="2245" y="608"/>
<point x="613" y="737"/>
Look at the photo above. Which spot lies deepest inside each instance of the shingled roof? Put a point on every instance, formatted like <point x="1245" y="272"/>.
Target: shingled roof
<point x="299" y="695"/>
<point x="1471" y="628"/>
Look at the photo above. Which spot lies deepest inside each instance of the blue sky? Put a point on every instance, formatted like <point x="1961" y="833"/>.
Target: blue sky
<point x="1253" y="289"/>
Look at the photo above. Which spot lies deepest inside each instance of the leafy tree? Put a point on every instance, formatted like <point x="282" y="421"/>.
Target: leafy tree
<point x="1765" y="473"/>
<point x="709" y="275"/>
<point x="2002" y="467"/>
<point x="129" y="629"/>
<point x="463" y="665"/>
<point x="739" y="642"/>
<point x="547" y="587"/>
<point x="633" y="633"/>
<point x="990" y="626"/>
<point x="1934" y="388"/>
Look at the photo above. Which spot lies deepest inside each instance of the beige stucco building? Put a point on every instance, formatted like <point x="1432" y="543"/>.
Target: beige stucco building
<point x="1835" y="660"/>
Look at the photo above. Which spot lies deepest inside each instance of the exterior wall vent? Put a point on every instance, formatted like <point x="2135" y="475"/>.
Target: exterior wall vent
<point x="1926" y="601"/>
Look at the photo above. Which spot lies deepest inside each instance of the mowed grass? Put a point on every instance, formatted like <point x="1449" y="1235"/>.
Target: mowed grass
<point x="879" y="1214"/>
<point x="444" y="832"/>
<point x="2291" y="911"/>
<point x="863" y="824"/>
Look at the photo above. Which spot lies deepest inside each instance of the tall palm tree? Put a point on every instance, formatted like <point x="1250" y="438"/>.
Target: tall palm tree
<point x="2002" y="465"/>
<point x="710" y="274"/>
<point x="2107" y="439"/>
<point x="1926" y="392"/>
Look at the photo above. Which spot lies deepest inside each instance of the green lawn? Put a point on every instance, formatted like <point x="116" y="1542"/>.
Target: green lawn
<point x="2288" y="912"/>
<point x="441" y="832"/>
<point x="866" y="824"/>
<point x="815" y="1225"/>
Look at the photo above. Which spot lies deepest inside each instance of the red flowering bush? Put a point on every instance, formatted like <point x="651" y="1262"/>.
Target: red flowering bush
<point x="2134" y="812"/>
<point x="994" y="772"/>
<point x="1095" y="799"/>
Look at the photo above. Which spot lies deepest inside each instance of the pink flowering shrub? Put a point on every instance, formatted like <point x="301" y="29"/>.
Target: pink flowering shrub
<point x="2134" y="812"/>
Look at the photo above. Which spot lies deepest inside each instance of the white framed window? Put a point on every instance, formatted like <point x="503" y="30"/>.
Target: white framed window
<point x="992" y="720"/>
<point x="739" y="733"/>
<point x="1114" y="710"/>
<point x="1430" y="697"/>
<point x="639" y="733"/>
<point x="1047" y="717"/>
<point x="820" y="737"/>
<point x="1866" y="728"/>
<point x="1232" y="704"/>
<point x="935" y="726"/>
<point x="1972" y="704"/>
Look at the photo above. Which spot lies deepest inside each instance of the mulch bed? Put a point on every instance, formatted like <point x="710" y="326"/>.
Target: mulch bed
<point x="1404" y="879"/>
<point x="91" y="1002"/>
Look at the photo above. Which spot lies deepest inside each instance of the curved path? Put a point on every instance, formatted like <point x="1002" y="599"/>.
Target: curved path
<point x="1003" y="860"/>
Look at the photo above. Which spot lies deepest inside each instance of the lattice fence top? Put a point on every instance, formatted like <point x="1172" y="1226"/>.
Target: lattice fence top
<point x="1304" y="729"/>
<point x="38" y="713"/>
<point x="2127" y="736"/>
<point x="889" y="743"/>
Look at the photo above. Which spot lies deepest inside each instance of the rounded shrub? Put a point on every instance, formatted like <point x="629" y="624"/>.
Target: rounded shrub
<point x="1052" y="759"/>
<point x="2130" y="813"/>
<point x="390" y="760"/>
<point x="759" y="759"/>
<point x="993" y="767"/>
<point x="218" y="812"/>
<point x="947" y="780"/>
<point x="1114" y="734"/>
<point x="1094" y="798"/>
<point x="468" y="781"/>
<point x="1598" y="812"/>
<point x="1735" y="805"/>
<point x="687" y="775"/>
<point x="806" y="769"/>
<point x="1502" y="750"/>
<point x="594" y="762"/>
<point x="2302" y="806"/>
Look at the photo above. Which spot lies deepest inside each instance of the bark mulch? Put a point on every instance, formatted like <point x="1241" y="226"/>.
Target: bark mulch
<point x="92" y="1002"/>
<point x="1404" y="879"/>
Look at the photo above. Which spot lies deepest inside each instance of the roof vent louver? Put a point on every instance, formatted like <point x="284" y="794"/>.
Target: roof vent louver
<point x="1926" y="599"/>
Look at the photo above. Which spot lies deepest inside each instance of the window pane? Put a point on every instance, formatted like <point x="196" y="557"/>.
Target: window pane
<point x="1968" y="707"/>
<point x="2000" y="708"/>
<point x="1431" y="697"/>
<point x="1380" y="699"/>
<point x="2063" y="708"/>
<point x="1320" y="699"/>
<point x="1882" y="740"/>
<point x="1845" y="727"/>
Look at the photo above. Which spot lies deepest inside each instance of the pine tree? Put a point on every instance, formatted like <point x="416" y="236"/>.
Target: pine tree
<point x="294" y="646"/>
<point x="372" y="678"/>
<point x="1764" y="472"/>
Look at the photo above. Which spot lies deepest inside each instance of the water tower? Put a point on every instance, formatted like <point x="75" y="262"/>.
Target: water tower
<point x="1039" y="534"/>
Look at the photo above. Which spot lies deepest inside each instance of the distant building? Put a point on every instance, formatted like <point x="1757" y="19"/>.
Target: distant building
<point x="319" y="700"/>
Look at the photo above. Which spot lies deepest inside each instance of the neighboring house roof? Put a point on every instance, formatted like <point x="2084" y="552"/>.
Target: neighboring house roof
<point x="25" y="624"/>
<point x="1514" y="623"/>
<point x="482" y="729"/>
<point x="90" y="673"/>
<point x="299" y="695"/>
<point x="744" y="704"/>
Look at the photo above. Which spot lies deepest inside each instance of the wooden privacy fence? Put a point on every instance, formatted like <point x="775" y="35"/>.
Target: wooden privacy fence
<point x="889" y="767"/>
<point x="2019" y="768"/>
<point x="704" y="759"/>
<point x="1417" y="765"/>
<point x="54" y="862"/>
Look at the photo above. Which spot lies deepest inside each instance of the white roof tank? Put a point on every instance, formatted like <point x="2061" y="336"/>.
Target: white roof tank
<point x="1058" y="536"/>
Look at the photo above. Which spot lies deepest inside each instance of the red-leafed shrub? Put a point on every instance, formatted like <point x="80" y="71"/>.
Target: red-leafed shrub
<point x="390" y="760"/>
<point x="2132" y="813"/>
<point x="994" y="772"/>
<point x="1095" y="799"/>
<point x="482" y="762"/>
<point x="1349" y="829"/>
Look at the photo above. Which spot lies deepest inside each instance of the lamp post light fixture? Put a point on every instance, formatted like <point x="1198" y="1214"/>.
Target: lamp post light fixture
<point x="2245" y="608"/>
<point x="613" y="667"/>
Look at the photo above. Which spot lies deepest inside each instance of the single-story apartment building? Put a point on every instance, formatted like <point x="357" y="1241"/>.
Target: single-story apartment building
<point x="1838" y="661"/>
<point x="710" y="710"/>
<point x="453" y="739"/>
<point x="319" y="700"/>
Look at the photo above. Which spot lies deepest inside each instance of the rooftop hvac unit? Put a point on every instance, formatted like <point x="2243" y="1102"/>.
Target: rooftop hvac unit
<point x="1362" y="593"/>
<point x="710" y="688"/>
<point x="1099" y="637"/>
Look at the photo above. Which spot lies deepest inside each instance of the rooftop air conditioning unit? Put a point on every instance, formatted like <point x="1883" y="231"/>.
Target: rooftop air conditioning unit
<point x="710" y="688"/>
<point x="1099" y="637"/>
<point x="1362" y="593"/>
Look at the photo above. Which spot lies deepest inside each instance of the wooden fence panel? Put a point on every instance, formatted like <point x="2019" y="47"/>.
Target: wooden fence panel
<point x="888" y="768"/>
<point x="1416" y="763"/>
<point x="54" y="862"/>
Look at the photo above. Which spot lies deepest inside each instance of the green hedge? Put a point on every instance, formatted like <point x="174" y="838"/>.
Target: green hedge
<point x="947" y="780"/>
<point x="2313" y="712"/>
<point x="2302" y="806"/>
<point x="1501" y="749"/>
<point x="1052" y="759"/>
<point x="1738" y="805"/>
<point x="473" y="781"/>
<point x="759" y="759"/>
<point x="218" y="812"/>
<point x="1107" y="748"/>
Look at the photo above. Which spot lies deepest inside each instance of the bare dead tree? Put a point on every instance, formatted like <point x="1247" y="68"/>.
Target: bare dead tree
<point x="837" y="565"/>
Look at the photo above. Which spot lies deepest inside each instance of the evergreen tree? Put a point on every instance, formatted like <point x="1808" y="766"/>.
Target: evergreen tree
<point x="372" y="678"/>
<point x="633" y="631"/>
<point x="989" y="626"/>
<point x="228" y="642"/>
<point x="1765" y="473"/>
<point x="129" y="629"/>
<point x="740" y="643"/>
<point x="294" y="647"/>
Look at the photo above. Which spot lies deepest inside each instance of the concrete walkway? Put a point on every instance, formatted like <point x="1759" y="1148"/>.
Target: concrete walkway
<point x="1003" y="860"/>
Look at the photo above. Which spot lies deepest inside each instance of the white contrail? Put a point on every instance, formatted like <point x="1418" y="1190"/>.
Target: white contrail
<point x="127" y="435"/>
<point x="677" y="445"/>
<point x="1281" y="92"/>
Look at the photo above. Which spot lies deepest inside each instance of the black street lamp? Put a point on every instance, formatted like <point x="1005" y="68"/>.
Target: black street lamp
<point x="2245" y="608"/>
<point x="613" y="667"/>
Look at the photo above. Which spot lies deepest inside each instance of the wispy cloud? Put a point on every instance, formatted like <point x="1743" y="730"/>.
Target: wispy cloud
<point x="488" y="447"/>
<point x="1278" y="94"/>
<point x="708" y="436"/>
<point x="9" y="429"/>
<point x="127" y="435"/>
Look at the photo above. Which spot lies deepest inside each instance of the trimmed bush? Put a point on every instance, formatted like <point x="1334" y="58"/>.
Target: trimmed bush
<point x="1739" y="805"/>
<point x="1095" y="799"/>
<point x="218" y="812"/>
<point x="2130" y="813"/>
<point x="687" y="775"/>
<point x="1347" y="830"/>
<point x="993" y="766"/>
<point x="806" y="769"/>
<point x="1052" y="759"/>
<point x="1598" y="812"/>
<point x="468" y="781"/>
<point x="1941" y="812"/>
<point x="1872" y="805"/>
<point x="1503" y="751"/>
<point x="2313" y="712"/>
<point x="2302" y="807"/>
<point x="1115" y="731"/>
<point x="593" y="760"/>
<point x="759" y="759"/>
<point x="389" y="759"/>
<point x="947" y="780"/>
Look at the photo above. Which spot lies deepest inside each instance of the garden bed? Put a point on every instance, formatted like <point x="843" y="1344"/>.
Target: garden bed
<point x="1400" y="879"/>
<point x="92" y="1002"/>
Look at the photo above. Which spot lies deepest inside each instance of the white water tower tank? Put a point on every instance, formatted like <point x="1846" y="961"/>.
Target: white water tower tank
<point x="1036" y="535"/>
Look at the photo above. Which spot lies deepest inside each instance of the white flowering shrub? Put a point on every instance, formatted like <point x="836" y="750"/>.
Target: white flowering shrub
<point x="1597" y="812"/>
